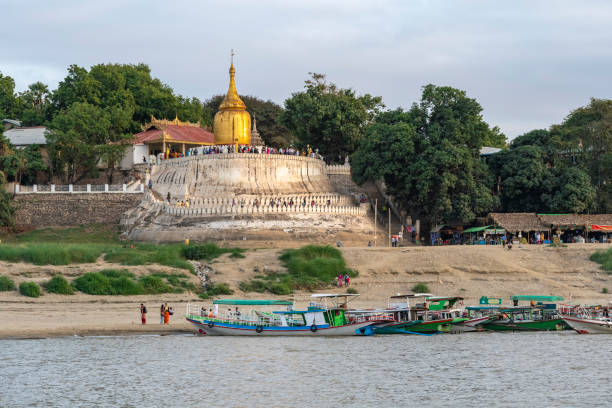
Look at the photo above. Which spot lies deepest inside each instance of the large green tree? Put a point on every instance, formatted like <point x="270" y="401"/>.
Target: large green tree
<point x="8" y="100"/>
<point x="429" y="157"/>
<point x="6" y="208"/>
<point x="329" y="118"/>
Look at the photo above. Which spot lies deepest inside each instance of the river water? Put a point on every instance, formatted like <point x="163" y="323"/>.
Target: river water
<point x="473" y="369"/>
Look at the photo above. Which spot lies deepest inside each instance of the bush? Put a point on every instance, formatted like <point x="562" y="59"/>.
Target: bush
<point x="142" y="254"/>
<point x="93" y="283"/>
<point x="604" y="258"/>
<point x="420" y="288"/>
<point x="155" y="285"/>
<point x="351" y="291"/>
<point x="30" y="289"/>
<point x="280" y="289"/>
<point x="6" y="284"/>
<point x="604" y="290"/>
<point x="58" y="284"/>
<point x="210" y="251"/>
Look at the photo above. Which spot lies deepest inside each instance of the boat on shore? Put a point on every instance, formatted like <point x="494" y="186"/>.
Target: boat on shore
<point x="317" y="320"/>
<point x="588" y="319"/>
<point x="538" y="316"/>
<point x="435" y="314"/>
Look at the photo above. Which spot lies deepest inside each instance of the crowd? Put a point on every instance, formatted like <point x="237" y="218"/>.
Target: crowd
<point x="165" y="312"/>
<point x="343" y="280"/>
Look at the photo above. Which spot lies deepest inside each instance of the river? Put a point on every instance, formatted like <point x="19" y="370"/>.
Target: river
<point x="473" y="369"/>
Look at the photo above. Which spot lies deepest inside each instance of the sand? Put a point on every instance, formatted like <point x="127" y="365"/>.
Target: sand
<point x="467" y="271"/>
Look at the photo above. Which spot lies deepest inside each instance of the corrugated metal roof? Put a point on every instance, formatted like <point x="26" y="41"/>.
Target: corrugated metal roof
<point x="25" y="136"/>
<point x="487" y="151"/>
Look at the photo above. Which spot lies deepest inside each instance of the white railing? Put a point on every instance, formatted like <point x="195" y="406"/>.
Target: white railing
<point x="333" y="169"/>
<point x="133" y="188"/>
<point x="183" y="161"/>
<point x="211" y="211"/>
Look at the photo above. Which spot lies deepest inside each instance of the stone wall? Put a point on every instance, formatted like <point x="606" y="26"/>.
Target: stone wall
<point x="45" y="210"/>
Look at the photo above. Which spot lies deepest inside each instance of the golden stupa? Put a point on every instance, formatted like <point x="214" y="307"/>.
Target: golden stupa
<point x="232" y="121"/>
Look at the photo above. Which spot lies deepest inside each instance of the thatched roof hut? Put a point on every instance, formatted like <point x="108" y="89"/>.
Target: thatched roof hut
<point x="575" y="220"/>
<point x="515" y="222"/>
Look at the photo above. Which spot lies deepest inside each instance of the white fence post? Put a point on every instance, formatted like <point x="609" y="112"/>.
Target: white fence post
<point x="53" y="188"/>
<point x="35" y="188"/>
<point x="106" y="188"/>
<point x="16" y="188"/>
<point x="141" y="188"/>
<point x="70" y="190"/>
<point x="89" y="188"/>
<point x="124" y="188"/>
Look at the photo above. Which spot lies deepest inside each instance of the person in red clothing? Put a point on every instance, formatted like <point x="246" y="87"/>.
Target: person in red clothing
<point x="143" y="313"/>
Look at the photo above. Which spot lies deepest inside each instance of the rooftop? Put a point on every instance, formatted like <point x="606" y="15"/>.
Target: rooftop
<point x="25" y="136"/>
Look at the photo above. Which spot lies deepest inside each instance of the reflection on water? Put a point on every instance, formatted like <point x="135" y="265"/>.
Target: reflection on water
<point x="476" y="369"/>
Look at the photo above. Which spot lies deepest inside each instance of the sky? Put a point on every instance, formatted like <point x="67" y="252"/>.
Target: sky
<point x="528" y="63"/>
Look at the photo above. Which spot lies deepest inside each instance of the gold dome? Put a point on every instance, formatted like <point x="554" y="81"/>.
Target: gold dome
<point x="232" y="121"/>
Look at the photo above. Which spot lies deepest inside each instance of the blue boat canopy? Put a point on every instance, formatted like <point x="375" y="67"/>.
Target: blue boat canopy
<point x="252" y="302"/>
<point x="536" y="298"/>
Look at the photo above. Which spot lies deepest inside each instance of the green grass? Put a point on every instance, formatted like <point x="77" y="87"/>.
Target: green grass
<point x="123" y="283"/>
<point x="29" y="289"/>
<point x="210" y="251"/>
<point x="604" y="258"/>
<point x="310" y="267"/>
<point x="604" y="290"/>
<point x="420" y="288"/>
<point x="142" y="254"/>
<point x="91" y="233"/>
<point x="6" y="284"/>
<point x="51" y="253"/>
<point x="58" y="284"/>
<point x="351" y="291"/>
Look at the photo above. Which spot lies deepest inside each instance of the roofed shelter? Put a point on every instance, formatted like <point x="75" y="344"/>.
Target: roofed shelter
<point x="166" y="136"/>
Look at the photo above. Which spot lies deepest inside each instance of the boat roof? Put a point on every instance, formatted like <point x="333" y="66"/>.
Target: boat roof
<point x="290" y="312"/>
<point x="482" y="307"/>
<point x="536" y="298"/>
<point x="251" y="302"/>
<point x="411" y="295"/>
<point x="332" y="295"/>
<point x="441" y="298"/>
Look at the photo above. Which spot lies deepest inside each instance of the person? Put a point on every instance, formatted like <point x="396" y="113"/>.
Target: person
<point x="144" y="159"/>
<point x="369" y="243"/>
<point x="161" y="314"/>
<point x="210" y="313"/>
<point x="143" y="313"/>
<point x="340" y="279"/>
<point x="237" y="313"/>
<point x="228" y="314"/>
<point x="202" y="311"/>
<point x="150" y="184"/>
<point x="166" y="314"/>
<point x="168" y="196"/>
<point x="346" y="280"/>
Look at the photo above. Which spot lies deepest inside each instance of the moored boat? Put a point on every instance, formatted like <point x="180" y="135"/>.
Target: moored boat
<point x="588" y="319"/>
<point x="316" y="320"/>
<point x="538" y="316"/>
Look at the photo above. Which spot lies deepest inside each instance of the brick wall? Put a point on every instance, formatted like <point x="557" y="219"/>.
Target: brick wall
<point x="41" y="210"/>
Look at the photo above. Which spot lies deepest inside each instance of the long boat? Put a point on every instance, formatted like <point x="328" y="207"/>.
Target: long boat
<point x="588" y="319"/>
<point x="538" y="316"/>
<point x="433" y="315"/>
<point x="316" y="320"/>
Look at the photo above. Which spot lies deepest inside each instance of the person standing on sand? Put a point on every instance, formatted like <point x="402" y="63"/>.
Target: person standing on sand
<point x="161" y="314"/>
<point x="166" y="314"/>
<point x="143" y="313"/>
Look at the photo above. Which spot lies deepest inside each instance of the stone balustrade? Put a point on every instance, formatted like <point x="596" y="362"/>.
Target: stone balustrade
<point x="134" y="188"/>
<point x="319" y="199"/>
<point x="184" y="161"/>
<point x="265" y="209"/>
<point x="337" y="169"/>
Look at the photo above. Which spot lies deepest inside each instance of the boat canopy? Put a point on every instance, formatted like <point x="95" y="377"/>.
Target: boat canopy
<point x="298" y="312"/>
<point x="332" y="295"/>
<point x="442" y="298"/>
<point x="536" y="298"/>
<point x="475" y="229"/>
<point x="411" y="295"/>
<point x="482" y="308"/>
<point x="251" y="302"/>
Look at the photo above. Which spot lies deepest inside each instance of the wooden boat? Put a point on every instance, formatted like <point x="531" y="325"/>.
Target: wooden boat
<point x="588" y="319"/>
<point x="433" y="315"/>
<point x="316" y="320"/>
<point x="478" y="316"/>
<point x="535" y="317"/>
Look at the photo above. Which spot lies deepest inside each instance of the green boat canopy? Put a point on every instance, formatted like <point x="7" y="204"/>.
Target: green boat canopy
<point x="244" y="302"/>
<point x="476" y="229"/>
<point x="536" y="298"/>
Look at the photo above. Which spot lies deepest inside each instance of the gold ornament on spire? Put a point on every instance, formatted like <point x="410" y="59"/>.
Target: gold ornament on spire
<point x="232" y="122"/>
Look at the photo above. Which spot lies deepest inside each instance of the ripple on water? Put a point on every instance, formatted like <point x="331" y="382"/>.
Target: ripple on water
<point x="501" y="369"/>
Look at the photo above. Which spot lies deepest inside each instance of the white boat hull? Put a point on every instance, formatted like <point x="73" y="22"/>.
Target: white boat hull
<point x="472" y="325"/>
<point x="220" y="329"/>
<point x="589" y="326"/>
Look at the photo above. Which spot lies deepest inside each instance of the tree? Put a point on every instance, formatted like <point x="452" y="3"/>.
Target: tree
<point x="34" y="104"/>
<point x="267" y="114"/>
<point x="6" y="209"/>
<point x="8" y="102"/>
<point x="429" y="157"/>
<point x="329" y="118"/>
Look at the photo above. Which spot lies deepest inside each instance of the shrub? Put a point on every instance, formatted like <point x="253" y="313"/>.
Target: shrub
<point x="155" y="285"/>
<point x="604" y="258"/>
<point x="58" y="284"/>
<point x="142" y="254"/>
<point x="280" y="289"/>
<point x="219" y="289"/>
<point x="420" y="288"/>
<point x="6" y="284"/>
<point x="116" y="273"/>
<point x="351" y="291"/>
<point x="93" y="283"/>
<point x="51" y="253"/>
<point x="604" y="290"/>
<point x="210" y="251"/>
<point x="30" y="289"/>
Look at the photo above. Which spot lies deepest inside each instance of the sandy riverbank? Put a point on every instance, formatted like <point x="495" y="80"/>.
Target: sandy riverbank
<point x="459" y="270"/>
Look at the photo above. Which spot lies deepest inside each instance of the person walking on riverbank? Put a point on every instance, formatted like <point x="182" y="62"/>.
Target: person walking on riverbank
<point x="166" y="314"/>
<point x="143" y="313"/>
<point x="161" y="314"/>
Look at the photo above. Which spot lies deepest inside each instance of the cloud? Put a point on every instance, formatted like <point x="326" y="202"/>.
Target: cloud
<point x="527" y="62"/>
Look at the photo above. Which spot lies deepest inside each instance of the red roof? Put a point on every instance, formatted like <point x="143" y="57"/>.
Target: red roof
<point x="176" y="133"/>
